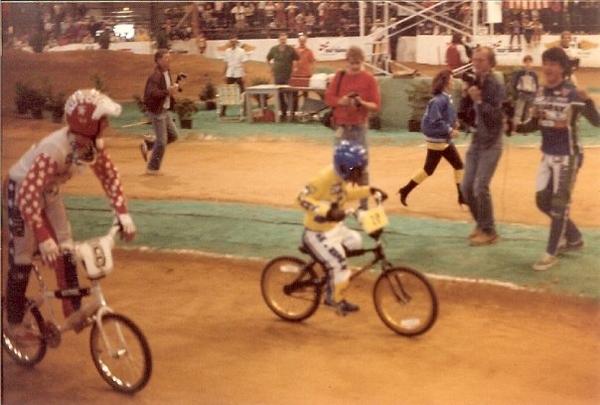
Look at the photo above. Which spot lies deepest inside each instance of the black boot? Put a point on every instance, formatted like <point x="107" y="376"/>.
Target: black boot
<point x="461" y="198"/>
<point x="405" y="191"/>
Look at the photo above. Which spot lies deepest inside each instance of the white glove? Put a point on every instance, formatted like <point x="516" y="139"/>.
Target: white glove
<point x="128" y="226"/>
<point x="49" y="250"/>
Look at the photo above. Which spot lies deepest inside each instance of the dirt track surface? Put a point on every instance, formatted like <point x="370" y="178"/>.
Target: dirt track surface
<point x="273" y="173"/>
<point x="214" y="341"/>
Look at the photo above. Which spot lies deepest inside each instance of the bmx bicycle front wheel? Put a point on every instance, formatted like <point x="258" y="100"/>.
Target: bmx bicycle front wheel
<point x="288" y="288"/>
<point x="121" y="353"/>
<point x="405" y="301"/>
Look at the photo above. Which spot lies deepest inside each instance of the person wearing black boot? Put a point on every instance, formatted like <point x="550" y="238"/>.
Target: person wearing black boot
<point x="439" y="127"/>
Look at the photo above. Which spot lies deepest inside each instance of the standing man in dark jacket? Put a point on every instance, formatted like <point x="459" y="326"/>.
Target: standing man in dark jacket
<point x="158" y="98"/>
<point x="281" y="59"/>
<point x="484" y="152"/>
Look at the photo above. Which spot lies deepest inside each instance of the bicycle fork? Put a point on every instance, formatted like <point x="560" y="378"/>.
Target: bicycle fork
<point x="398" y="289"/>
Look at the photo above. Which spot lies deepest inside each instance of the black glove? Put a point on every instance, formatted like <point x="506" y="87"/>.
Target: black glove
<point x="384" y="196"/>
<point x="335" y="214"/>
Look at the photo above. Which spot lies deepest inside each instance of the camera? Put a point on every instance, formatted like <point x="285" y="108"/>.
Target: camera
<point x="180" y="76"/>
<point x="470" y="79"/>
<point x="466" y="111"/>
<point x="353" y="95"/>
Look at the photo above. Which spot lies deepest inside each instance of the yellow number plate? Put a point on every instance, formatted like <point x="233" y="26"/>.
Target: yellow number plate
<point x="373" y="220"/>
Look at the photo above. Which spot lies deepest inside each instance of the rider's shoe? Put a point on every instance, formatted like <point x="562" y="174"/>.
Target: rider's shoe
<point x="21" y="334"/>
<point x="343" y="307"/>
<point x="565" y="246"/>
<point x="78" y="320"/>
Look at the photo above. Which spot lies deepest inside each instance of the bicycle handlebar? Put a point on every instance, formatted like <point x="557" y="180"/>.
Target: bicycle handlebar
<point x="355" y="211"/>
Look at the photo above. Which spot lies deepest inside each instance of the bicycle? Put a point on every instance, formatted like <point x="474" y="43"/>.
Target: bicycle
<point x="403" y="297"/>
<point x="119" y="349"/>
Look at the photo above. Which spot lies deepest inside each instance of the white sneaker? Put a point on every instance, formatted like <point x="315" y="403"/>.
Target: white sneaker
<point x="78" y="320"/>
<point x="546" y="261"/>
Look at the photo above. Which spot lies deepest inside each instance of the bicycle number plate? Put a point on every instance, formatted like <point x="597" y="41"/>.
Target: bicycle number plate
<point x="96" y="255"/>
<point x="373" y="220"/>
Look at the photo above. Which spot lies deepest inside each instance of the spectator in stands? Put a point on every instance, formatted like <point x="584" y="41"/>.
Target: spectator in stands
<point x="291" y="10"/>
<point x="280" y="16"/>
<point x="527" y="26"/>
<point x="310" y="21"/>
<point x="538" y="30"/>
<point x="249" y="11"/>
<point x="281" y="58"/>
<point x="353" y="93"/>
<point x="239" y="14"/>
<point x="484" y="152"/>
<point x="525" y="85"/>
<point x="456" y="53"/>
<point x="323" y="14"/>
<point x="234" y="71"/>
<point x="565" y="44"/>
<point x="515" y="30"/>
<point x="260" y="13"/>
<point x="303" y="69"/>
<point x="269" y="13"/>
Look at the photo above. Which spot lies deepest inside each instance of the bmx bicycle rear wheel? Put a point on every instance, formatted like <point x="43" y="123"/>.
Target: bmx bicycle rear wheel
<point x="32" y="351"/>
<point x="289" y="288"/>
<point x="405" y="301"/>
<point x="123" y="359"/>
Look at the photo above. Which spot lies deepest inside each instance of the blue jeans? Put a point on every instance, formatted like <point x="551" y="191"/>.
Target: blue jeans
<point x="166" y="132"/>
<point x="355" y="133"/>
<point x="480" y="166"/>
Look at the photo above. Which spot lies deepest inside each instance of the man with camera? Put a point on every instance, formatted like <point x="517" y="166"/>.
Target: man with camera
<point x="158" y="99"/>
<point x="487" y="93"/>
<point x="353" y="93"/>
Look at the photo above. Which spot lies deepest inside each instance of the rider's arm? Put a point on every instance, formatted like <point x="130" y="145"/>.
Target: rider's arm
<point x="29" y="198"/>
<point x="309" y="200"/>
<point x="108" y="175"/>
<point x="357" y="193"/>
<point x="588" y="110"/>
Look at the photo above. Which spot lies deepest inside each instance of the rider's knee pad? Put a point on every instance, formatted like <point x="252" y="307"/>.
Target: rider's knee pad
<point x="18" y="277"/>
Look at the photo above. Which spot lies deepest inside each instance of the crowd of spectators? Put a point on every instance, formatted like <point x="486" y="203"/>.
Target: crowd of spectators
<point x="68" y="23"/>
<point x="265" y="19"/>
<point x="65" y="23"/>
<point x="522" y="17"/>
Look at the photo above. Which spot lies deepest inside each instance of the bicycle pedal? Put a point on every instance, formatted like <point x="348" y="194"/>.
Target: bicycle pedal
<point x="51" y="335"/>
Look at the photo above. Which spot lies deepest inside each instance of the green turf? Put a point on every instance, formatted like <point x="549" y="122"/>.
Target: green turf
<point x="433" y="246"/>
<point x="207" y="127"/>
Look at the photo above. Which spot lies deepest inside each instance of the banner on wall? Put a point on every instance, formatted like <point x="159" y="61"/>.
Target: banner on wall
<point x="427" y="49"/>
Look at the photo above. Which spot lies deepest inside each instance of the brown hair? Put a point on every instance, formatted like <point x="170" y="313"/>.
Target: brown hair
<point x="159" y="54"/>
<point x="355" y="52"/>
<point x="490" y="54"/>
<point x="527" y="58"/>
<point x="440" y="81"/>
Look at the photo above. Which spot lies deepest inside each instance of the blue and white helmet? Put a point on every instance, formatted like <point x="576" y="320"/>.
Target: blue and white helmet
<point x="349" y="160"/>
